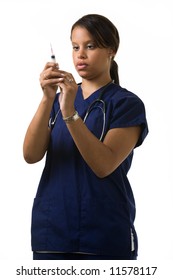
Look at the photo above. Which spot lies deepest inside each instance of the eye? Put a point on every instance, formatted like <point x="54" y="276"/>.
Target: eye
<point x="90" y="46"/>
<point x="75" y="48"/>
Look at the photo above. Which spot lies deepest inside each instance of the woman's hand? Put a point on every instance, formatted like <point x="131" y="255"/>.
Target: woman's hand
<point x="51" y="78"/>
<point x="67" y="96"/>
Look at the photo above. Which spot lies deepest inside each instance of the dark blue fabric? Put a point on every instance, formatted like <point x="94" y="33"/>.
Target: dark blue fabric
<point x="74" y="210"/>
<point x="72" y="256"/>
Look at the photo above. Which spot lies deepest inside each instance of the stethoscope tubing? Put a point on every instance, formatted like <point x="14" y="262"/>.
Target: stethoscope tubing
<point x="90" y="108"/>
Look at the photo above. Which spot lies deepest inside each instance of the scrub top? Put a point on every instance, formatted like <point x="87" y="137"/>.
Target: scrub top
<point x="74" y="210"/>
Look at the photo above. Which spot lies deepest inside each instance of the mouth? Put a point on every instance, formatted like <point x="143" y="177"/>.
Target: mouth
<point x="81" y="66"/>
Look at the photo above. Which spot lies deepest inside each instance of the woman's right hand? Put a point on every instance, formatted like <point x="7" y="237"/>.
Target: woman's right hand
<point x="49" y="79"/>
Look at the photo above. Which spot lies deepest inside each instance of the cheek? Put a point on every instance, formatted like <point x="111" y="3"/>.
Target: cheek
<point x="95" y="58"/>
<point x="99" y="60"/>
<point x="99" y="56"/>
<point x="74" y="57"/>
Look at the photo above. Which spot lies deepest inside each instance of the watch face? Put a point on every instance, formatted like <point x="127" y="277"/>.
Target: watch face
<point x="72" y="118"/>
<point x="76" y="116"/>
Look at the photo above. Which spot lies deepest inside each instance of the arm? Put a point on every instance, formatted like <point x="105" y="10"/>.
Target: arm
<point x="37" y="136"/>
<point x="104" y="158"/>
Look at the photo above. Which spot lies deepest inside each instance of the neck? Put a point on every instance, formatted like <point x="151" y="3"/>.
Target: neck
<point x="88" y="87"/>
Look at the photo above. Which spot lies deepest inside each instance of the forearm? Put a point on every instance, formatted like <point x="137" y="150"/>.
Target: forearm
<point x="97" y="155"/>
<point x="104" y="157"/>
<point x="38" y="134"/>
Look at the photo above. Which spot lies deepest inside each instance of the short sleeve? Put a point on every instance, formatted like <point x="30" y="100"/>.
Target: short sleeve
<point x="128" y="111"/>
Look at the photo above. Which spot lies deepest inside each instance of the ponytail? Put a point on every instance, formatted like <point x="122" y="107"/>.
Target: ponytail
<point x="114" y="72"/>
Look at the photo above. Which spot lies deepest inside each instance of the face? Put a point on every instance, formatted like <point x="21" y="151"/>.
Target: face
<point x="90" y="61"/>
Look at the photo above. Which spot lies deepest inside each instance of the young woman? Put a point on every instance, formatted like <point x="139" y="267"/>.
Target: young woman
<point x="84" y="206"/>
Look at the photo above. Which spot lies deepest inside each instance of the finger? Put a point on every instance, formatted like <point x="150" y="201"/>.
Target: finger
<point x="67" y="76"/>
<point x="70" y="80"/>
<point x="52" y="82"/>
<point x="51" y="74"/>
<point x="51" y="64"/>
<point x="66" y="81"/>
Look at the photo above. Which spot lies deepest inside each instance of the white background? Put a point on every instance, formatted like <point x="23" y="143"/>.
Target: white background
<point x="145" y="67"/>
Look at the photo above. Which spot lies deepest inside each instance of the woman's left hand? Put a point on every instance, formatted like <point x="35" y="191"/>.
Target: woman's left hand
<point x="67" y="96"/>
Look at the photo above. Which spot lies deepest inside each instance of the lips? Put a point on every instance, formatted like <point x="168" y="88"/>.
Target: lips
<point x="81" y="66"/>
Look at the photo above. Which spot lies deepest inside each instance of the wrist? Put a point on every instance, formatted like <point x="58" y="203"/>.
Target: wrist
<point x="69" y="111"/>
<point x="47" y="99"/>
<point x="73" y="117"/>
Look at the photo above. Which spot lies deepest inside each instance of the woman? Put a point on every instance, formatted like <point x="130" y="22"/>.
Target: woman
<point x="84" y="206"/>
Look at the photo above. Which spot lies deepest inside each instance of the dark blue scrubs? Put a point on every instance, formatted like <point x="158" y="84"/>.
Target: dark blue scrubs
<point x="74" y="210"/>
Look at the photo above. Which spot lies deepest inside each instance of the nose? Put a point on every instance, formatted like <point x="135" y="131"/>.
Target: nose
<point x="81" y="53"/>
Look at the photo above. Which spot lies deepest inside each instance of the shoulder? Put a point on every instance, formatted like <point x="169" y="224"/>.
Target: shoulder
<point x="126" y="110"/>
<point x="118" y="93"/>
<point x="123" y="100"/>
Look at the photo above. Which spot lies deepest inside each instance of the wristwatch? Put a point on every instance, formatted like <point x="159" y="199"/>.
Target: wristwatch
<point x="72" y="118"/>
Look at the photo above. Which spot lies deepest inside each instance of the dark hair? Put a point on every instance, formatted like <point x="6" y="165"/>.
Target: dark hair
<point x="105" y="35"/>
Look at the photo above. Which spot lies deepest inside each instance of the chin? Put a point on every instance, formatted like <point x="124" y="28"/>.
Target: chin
<point x="85" y="76"/>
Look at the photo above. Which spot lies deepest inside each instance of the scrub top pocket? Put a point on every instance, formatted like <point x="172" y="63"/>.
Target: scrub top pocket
<point x="40" y="214"/>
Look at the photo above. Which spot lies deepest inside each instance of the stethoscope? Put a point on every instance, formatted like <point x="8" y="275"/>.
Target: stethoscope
<point x="97" y="103"/>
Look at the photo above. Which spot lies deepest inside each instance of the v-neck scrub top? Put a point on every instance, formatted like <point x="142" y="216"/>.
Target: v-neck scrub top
<point x="74" y="210"/>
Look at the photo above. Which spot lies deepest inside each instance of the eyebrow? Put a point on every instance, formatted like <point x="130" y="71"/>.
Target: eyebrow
<point x="86" y="42"/>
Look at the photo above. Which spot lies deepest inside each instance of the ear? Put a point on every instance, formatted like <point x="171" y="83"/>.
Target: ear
<point x="111" y="53"/>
